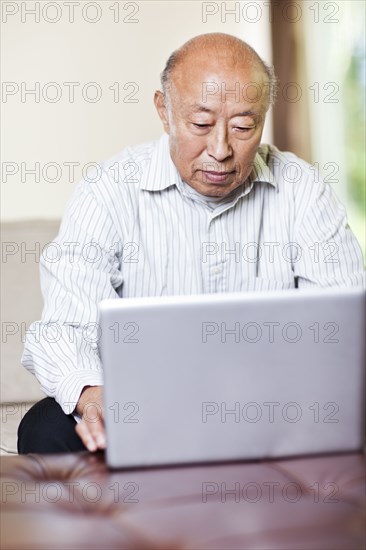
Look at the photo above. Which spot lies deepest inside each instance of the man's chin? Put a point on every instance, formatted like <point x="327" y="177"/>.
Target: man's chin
<point x="214" y="190"/>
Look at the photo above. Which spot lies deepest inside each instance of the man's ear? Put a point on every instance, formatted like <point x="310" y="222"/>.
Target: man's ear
<point x="162" y="109"/>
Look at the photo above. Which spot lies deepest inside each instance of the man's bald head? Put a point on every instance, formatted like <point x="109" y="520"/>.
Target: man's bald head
<point x="216" y="48"/>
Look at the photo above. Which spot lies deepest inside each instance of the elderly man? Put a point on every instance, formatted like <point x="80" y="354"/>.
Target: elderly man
<point x="204" y="209"/>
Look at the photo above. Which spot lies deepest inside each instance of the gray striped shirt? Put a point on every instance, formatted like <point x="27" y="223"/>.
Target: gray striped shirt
<point x="134" y="228"/>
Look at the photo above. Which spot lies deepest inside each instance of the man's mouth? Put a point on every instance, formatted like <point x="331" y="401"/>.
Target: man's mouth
<point x="213" y="176"/>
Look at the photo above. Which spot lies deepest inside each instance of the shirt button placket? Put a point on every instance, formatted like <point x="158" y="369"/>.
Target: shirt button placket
<point x="215" y="266"/>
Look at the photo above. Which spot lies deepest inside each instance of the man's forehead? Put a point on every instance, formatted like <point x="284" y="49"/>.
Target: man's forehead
<point x="198" y="108"/>
<point x="205" y="91"/>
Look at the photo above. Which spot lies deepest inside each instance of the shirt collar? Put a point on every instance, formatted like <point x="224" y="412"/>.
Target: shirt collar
<point x="162" y="173"/>
<point x="261" y="171"/>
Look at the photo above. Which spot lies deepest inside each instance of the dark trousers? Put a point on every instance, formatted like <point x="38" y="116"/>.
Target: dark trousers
<point x="45" y="428"/>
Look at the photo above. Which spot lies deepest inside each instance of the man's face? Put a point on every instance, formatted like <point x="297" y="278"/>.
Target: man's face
<point x="215" y="123"/>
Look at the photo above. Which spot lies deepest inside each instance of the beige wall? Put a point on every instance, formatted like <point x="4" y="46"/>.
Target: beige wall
<point x="104" y="52"/>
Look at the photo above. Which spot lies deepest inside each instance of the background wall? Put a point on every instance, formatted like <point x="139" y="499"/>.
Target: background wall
<point x="112" y="54"/>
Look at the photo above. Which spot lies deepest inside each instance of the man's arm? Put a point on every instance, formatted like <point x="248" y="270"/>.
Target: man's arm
<point x="78" y="269"/>
<point x="330" y="254"/>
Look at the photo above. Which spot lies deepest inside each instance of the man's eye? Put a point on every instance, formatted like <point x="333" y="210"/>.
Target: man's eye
<point x="242" y="129"/>
<point x="200" y="125"/>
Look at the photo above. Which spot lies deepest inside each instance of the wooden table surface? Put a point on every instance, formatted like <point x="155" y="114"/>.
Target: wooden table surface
<point x="73" y="501"/>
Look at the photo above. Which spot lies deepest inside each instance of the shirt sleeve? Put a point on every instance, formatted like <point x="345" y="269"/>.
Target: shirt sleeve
<point x="328" y="253"/>
<point x="78" y="269"/>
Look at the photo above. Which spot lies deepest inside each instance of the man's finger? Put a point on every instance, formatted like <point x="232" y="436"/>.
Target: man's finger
<point x="98" y="433"/>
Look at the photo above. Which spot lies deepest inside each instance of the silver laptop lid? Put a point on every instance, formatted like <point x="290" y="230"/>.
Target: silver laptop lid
<point x="233" y="376"/>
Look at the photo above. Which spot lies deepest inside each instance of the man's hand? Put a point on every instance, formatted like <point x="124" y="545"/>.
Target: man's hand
<point x="91" y="427"/>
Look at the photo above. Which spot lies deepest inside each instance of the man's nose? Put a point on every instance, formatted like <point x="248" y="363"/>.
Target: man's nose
<point x="218" y="146"/>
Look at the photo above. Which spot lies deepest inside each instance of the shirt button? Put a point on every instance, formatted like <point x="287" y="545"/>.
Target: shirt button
<point x="216" y="270"/>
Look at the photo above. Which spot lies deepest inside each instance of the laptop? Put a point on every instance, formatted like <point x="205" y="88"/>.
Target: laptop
<point x="234" y="376"/>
